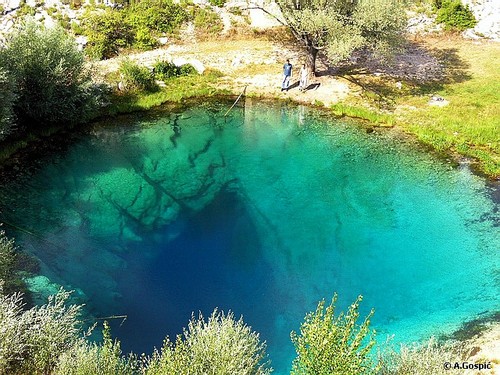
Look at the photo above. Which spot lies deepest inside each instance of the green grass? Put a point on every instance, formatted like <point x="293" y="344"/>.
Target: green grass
<point x="175" y="91"/>
<point x="470" y="124"/>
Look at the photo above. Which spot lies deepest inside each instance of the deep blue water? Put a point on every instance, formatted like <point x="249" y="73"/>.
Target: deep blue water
<point x="264" y="213"/>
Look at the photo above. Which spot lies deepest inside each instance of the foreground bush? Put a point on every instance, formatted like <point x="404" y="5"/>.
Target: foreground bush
<point x="52" y="83"/>
<point x="96" y="359"/>
<point x="219" y="346"/>
<point x="422" y="359"/>
<point x="334" y="345"/>
<point x="31" y="341"/>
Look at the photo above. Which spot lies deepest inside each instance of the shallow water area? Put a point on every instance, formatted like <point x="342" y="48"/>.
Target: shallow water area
<point x="264" y="212"/>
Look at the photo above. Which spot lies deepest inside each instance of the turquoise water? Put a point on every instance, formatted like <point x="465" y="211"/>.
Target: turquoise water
<point x="264" y="213"/>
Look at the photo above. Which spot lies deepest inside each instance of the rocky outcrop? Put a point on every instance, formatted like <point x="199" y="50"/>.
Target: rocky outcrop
<point x="487" y="13"/>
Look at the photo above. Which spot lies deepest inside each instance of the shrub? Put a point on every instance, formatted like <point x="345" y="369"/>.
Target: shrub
<point x="143" y="39"/>
<point x="50" y="77"/>
<point x="92" y="359"/>
<point x="31" y="341"/>
<point x="187" y="70"/>
<point x="164" y="70"/>
<point x="9" y="267"/>
<point x="221" y="345"/>
<point x="161" y="16"/>
<point x="422" y="359"/>
<point x="107" y="32"/>
<point x="454" y="15"/>
<point x="136" y="77"/>
<point x="7" y="98"/>
<point x="207" y="22"/>
<point x="217" y="3"/>
<point x="334" y="345"/>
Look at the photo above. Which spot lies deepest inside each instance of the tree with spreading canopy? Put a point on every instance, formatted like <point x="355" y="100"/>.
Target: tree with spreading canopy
<point x="339" y="27"/>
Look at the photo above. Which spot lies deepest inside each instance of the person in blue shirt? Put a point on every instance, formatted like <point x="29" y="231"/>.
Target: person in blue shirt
<point x="287" y="72"/>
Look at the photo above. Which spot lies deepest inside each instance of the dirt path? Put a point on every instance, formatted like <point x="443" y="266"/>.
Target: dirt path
<point x="254" y="64"/>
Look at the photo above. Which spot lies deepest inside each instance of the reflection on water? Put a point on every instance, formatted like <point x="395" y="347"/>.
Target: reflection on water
<point x="264" y="213"/>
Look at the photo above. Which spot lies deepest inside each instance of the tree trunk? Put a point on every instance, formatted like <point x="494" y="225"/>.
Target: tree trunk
<point x="311" y="60"/>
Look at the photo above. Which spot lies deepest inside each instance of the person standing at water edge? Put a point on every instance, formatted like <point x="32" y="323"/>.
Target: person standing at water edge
<point x="287" y="73"/>
<point x="303" y="78"/>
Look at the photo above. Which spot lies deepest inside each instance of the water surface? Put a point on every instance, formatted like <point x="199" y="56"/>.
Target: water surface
<point x="264" y="213"/>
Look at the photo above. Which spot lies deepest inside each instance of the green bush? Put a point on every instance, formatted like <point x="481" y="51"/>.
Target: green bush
<point x="207" y="22"/>
<point x="135" y="77"/>
<point x="164" y="70"/>
<point x="96" y="359"/>
<point x="454" y="15"/>
<point x="162" y="16"/>
<point x="221" y="345"/>
<point x="107" y="32"/>
<point x="138" y="25"/>
<point x="187" y="70"/>
<point x="334" y="345"/>
<point x="7" y="264"/>
<point x="7" y="99"/>
<point x="143" y="39"/>
<point x="422" y="359"/>
<point x="51" y="80"/>
<point x="217" y="3"/>
<point x="31" y="341"/>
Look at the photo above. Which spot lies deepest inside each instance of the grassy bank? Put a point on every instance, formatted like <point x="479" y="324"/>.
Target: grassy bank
<point x="470" y="124"/>
<point x="175" y="91"/>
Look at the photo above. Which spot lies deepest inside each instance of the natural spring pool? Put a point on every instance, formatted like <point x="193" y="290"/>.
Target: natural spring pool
<point x="265" y="213"/>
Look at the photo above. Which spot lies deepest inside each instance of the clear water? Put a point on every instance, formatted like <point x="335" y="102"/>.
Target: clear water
<point x="264" y="213"/>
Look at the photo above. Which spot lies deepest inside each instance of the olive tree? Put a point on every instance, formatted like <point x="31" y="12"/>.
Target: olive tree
<point x="334" y="345"/>
<point x="339" y="27"/>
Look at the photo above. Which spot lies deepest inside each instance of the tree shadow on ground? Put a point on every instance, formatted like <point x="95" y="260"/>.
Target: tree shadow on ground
<point x="415" y="70"/>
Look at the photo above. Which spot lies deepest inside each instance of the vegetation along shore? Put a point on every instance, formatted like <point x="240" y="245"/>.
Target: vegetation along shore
<point x="64" y="65"/>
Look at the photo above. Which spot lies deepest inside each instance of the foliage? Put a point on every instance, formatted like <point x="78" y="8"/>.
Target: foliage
<point x="107" y="32"/>
<point x="330" y="344"/>
<point x="96" y="359"/>
<point x="164" y="70"/>
<point x="469" y="124"/>
<point x="51" y="81"/>
<point x="221" y="345"/>
<point x="7" y="264"/>
<point x="454" y="15"/>
<point x="137" y="25"/>
<point x="162" y="16"/>
<point x="339" y="27"/>
<point x="206" y="21"/>
<point x="422" y="359"/>
<point x="175" y="91"/>
<point x="7" y="98"/>
<point x="217" y="3"/>
<point x="31" y="341"/>
<point x="135" y="77"/>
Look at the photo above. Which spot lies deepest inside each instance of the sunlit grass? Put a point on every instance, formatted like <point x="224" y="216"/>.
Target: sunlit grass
<point x="175" y="90"/>
<point x="470" y="124"/>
